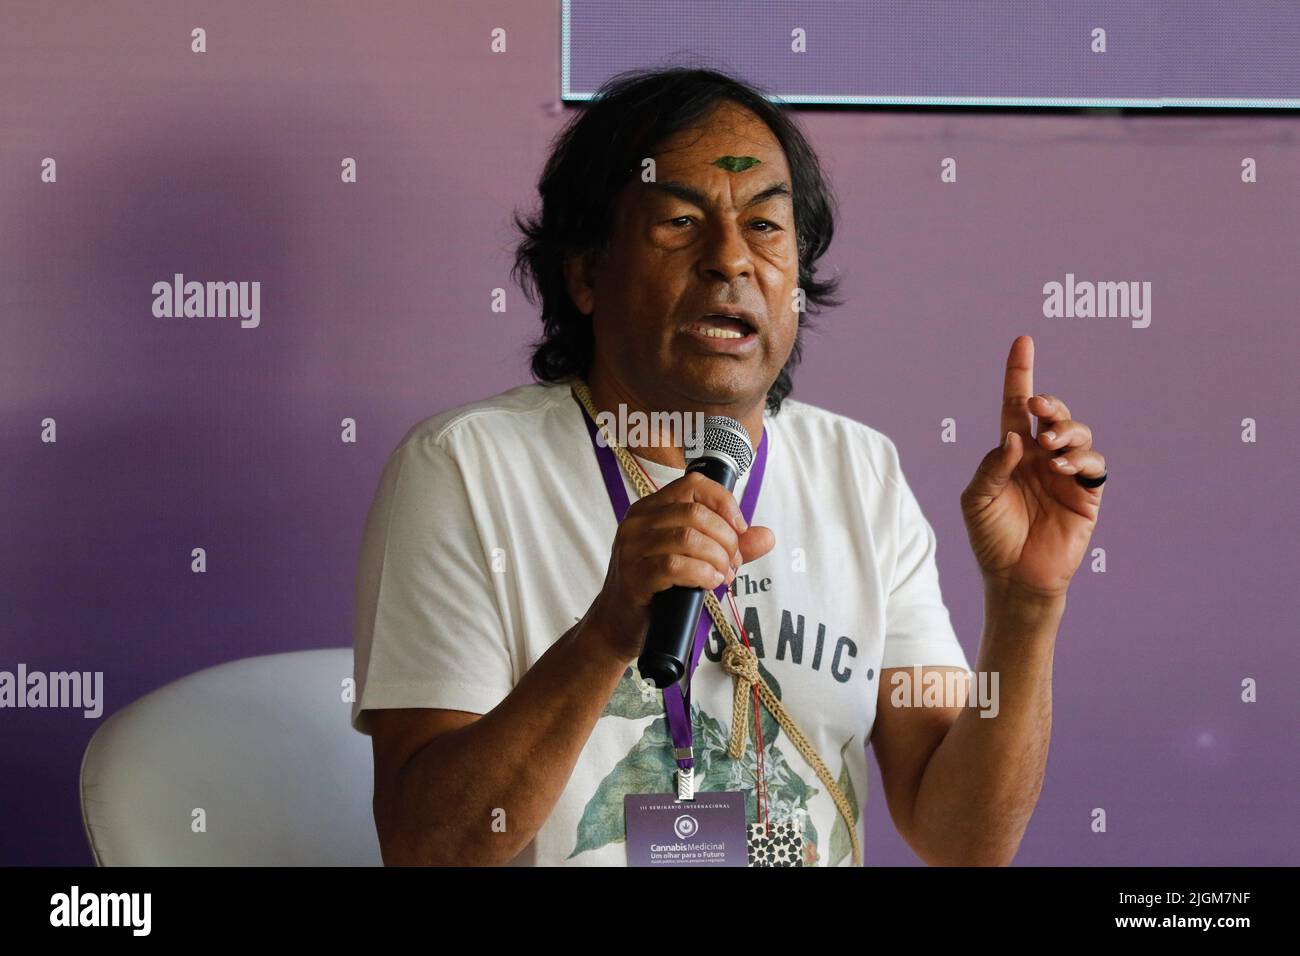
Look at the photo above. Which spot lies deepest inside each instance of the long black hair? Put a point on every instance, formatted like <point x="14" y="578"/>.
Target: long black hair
<point x="590" y="161"/>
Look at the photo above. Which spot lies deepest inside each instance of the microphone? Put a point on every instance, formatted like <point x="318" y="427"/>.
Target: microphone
<point x="725" y="455"/>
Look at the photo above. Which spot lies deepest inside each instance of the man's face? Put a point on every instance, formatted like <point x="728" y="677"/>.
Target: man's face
<point x="701" y="238"/>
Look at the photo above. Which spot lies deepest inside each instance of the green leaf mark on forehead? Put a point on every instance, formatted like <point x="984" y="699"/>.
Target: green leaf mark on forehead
<point x="736" y="164"/>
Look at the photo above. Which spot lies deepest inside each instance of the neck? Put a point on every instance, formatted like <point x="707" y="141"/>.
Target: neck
<point x="608" y="392"/>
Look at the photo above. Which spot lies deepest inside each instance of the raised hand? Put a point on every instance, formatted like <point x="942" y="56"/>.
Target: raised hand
<point x="1028" y="519"/>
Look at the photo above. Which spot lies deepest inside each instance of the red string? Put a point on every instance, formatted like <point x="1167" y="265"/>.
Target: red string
<point x="760" y="785"/>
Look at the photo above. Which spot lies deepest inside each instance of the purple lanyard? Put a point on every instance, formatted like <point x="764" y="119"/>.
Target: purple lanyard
<point x="675" y="708"/>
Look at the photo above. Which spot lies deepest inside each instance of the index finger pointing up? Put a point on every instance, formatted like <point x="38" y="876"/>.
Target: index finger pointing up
<point x="1017" y="388"/>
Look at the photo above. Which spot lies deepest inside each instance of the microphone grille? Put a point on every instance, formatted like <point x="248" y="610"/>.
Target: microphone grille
<point x="726" y="436"/>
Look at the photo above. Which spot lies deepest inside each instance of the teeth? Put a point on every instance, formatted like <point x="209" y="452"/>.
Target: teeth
<point x="714" y="332"/>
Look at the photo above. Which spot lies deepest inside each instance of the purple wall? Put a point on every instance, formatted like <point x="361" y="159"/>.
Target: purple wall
<point x="375" y="305"/>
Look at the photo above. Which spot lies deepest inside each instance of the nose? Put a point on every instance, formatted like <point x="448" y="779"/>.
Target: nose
<point x="726" y="254"/>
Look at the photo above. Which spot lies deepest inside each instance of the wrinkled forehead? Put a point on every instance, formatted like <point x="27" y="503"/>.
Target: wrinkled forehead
<point x="730" y="140"/>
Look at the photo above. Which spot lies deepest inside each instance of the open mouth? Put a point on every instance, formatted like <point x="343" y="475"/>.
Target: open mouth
<point x="722" y="333"/>
<point x="717" y="326"/>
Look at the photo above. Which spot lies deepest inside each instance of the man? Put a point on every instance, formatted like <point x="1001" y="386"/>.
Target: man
<point x="501" y="605"/>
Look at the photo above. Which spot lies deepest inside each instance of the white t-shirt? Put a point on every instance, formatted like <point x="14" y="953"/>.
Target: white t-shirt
<point x="490" y="536"/>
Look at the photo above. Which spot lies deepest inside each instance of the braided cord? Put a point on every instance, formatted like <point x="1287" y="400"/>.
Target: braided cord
<point x="737" y="660"/>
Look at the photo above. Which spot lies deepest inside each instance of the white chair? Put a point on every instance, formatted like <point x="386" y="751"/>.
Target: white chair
<point x="262" y="745"/>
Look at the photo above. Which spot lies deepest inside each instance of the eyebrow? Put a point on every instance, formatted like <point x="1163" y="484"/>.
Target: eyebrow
<point x="692" y="195"/>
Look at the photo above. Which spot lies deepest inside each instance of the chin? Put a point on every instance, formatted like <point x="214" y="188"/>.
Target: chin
<point x="719" y="388"/>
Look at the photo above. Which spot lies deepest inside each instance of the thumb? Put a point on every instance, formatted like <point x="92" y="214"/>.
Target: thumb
<point x="995" y="469"/>
<point x="756" y="542"/>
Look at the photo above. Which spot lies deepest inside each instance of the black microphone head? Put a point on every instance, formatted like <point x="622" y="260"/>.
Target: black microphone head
<point x="724" y="438"/>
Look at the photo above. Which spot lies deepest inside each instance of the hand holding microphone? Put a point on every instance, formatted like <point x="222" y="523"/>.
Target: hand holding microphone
<point x="670" y="546"/>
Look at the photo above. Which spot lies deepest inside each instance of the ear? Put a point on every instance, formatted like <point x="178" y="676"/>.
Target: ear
<point x="580" y="280"/>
